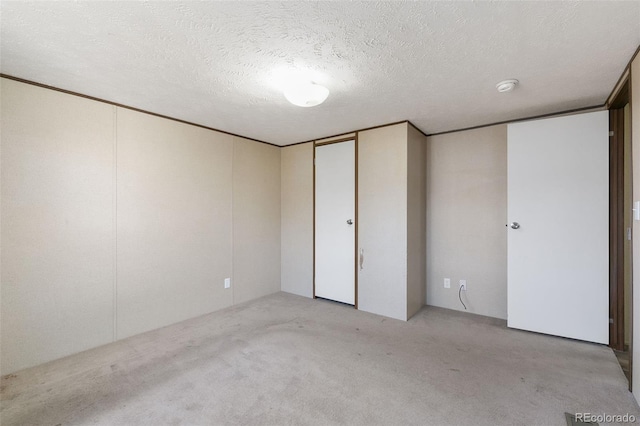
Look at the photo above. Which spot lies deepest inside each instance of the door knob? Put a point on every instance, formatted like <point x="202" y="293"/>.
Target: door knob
<point x="515" y="225"/>
<point x="349" y="222"/>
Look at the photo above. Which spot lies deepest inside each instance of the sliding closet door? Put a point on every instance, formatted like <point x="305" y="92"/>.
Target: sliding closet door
<point x="335" y="221"/>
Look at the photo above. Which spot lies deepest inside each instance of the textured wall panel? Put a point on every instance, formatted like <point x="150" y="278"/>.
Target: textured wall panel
<point x="57" y="225"/>
<point x="174" y="221"/>
<point x="382" y="220"/>
<point x="297" y="219"/>
<point x="256" y="220"/>
<point x="416" y="220"/>
<point x="466" y="217"/>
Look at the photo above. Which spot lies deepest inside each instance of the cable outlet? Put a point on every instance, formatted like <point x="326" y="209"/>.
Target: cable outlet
<point x="227" y="283"/>
<point x="447" y="283"/>
<point x="463" y="285"/>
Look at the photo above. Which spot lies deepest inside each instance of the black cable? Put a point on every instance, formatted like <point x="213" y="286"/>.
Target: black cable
<point x="460" y="297"/>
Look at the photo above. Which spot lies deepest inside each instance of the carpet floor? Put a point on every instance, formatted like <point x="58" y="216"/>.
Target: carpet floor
<point x="289" y="360"/>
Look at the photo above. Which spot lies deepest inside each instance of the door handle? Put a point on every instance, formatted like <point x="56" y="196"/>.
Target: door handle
<point x="515" y="225"/>
<point x="361" y="260"/>
<point x="349" y="222"/>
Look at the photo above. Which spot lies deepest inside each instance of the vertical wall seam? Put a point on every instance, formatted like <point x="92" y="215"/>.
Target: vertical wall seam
<point x="233" y="222"/>
<point x="407" y="136"/>
<point x="115" y="223"/>
<point x="281" y="151"/>
<point x="280" y="215"/>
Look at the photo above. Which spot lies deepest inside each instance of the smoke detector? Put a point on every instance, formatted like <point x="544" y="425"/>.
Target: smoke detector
<point x="506" y="85"/>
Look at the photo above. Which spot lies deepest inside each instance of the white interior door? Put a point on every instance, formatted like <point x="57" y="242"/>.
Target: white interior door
<point x="335" y="222"/>
<point x="558" y="264"/>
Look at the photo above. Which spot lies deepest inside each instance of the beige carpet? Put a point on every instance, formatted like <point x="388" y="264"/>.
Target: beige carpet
<point x="285" y="359"/>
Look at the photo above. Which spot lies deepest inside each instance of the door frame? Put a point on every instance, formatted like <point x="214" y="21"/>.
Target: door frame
<point x="316" y="144"/>
<point x="617" y="231"/>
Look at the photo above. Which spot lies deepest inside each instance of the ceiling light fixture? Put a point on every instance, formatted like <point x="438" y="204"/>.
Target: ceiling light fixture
<point x="506" y="85"/>
<point x="306" y="93"/>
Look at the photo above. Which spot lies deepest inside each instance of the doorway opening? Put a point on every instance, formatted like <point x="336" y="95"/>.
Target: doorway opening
<point x="620" y="223"/>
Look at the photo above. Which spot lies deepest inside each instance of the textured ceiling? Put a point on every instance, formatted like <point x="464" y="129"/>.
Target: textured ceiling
<point x="217" y="63"/>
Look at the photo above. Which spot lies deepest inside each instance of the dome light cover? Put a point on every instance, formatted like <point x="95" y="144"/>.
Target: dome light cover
<point x="306" y="93"/>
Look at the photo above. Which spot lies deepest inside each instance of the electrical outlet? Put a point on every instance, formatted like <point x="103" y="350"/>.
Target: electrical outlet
<point x="447" y="283"/>
<point x="227" y="283"/>
<point x="463" y="285"/>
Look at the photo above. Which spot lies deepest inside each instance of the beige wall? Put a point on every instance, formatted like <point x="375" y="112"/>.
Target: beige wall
<point x="194" y="206"/>
<point x="189" y="207"/>
<point x="58" y="234"/>
<point x="382" y="217"/>
<point x="466" y="217"/>
<point x="391" y="219"/>
<point x="174" y="221"/>
<point x="256" y="220"/>
<point x="416" y="220"/>
<point x="297" y="219"/>
<point x="635" y="150"/>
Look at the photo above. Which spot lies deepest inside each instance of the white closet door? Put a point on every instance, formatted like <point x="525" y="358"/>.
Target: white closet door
<point x="558" y="235"/>
<point x="335" y="222"/>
